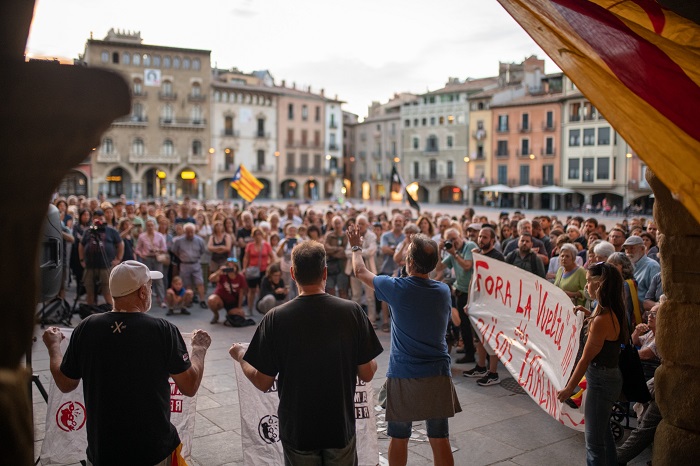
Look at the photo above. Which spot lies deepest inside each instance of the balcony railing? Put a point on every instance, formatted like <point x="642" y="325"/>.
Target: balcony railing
<point x="290" y="171"/>
<point x="197" y="159"/>
<point x="502" y="129"/>
<point x="262" y="135"/>
<point x="524" y="128"/>
<point x="430" y="178"/>
<point x="303" y="170"/>
<point x="333" y="125"/>
<point x="501" y="153"/>
<point x="548" y="153"/>
<point x="332" y="146"/>
<point x="520" y="153"/>
<point x="183" y="122"/>
<point x="431" y="150"/>
<point x="548" y="126"/>
<point x="154" y="158"/>
<point x="131" y="120"/>
<point x="574" y="118"/>
<point x="227" y="168"/>
<point x="196" y="97"/>
<point x="167" y="95"/>
<point x="140" y="94"/>
<point x="230" y="133"/>
<point x="263" y="169"/>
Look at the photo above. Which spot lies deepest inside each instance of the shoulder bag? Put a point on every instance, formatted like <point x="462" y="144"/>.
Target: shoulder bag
<point x="634" y="386"/>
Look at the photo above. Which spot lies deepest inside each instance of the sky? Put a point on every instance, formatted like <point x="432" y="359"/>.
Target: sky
<point x="361" y="51"/>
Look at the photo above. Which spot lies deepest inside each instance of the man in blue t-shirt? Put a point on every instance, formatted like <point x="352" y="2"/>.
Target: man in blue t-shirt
<point x="419" y="382"/>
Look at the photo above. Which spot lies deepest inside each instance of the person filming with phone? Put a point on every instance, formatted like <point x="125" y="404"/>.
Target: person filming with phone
<point x="229" y="292"/>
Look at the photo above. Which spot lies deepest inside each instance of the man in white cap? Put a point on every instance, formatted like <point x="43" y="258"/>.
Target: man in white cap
<point x="125" y="358"/>
<point x="644" y="268"/>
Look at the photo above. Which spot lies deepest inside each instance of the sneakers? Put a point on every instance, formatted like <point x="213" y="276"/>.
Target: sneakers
<point x="203" y="304"/>
<point x="490" y="379"/>
<point x="478" y="371"/>
<point x="185" y="311"/>
<point x="170" y="312"/>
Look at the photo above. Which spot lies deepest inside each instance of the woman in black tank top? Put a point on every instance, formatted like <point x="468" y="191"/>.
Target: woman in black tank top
<point x="607" y="329"/>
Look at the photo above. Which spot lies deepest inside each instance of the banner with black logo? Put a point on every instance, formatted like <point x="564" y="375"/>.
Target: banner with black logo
<point x="260" y="425"/>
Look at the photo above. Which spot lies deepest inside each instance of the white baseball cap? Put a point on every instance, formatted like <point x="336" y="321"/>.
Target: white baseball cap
<point x="129" y="276"/>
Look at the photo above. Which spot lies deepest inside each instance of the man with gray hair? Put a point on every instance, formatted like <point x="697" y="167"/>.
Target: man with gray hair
<point x="644" y="268"/>
<point x="602" y="251"/>
<point x="189" y="248"/>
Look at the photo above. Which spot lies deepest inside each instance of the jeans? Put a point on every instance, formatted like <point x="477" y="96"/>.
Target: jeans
<point x="346" y="456"/>
<point x="437" y="428"/>
<point x="603" y="389"/>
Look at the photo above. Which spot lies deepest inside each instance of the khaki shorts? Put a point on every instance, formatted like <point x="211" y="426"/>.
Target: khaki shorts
<point x="90" y="277"/>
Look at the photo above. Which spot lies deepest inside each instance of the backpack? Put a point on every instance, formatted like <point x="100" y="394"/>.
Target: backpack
<point x="94" y="249"/>
<point x="86" y="310"/>
<point x="56" y="311"/>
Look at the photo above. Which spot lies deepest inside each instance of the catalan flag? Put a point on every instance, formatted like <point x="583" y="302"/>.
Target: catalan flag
<point x="639" y="64"/>
<point x="246" y="184"/>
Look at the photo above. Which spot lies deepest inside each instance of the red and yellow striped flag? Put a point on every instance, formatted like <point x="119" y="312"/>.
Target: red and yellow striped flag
<point x="246" y="184"/>
<point x="639" y="64"/>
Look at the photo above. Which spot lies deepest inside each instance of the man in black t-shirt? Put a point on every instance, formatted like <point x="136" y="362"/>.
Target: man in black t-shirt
<point x="125" y="358"/>
<point x="100" y="249"/>
<point x="317" y="345"/>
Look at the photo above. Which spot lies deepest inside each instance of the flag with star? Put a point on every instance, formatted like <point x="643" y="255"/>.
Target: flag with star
<point x="397" y="186"/>
<point x="639" y="64"/>
<point x="246" y="184"/>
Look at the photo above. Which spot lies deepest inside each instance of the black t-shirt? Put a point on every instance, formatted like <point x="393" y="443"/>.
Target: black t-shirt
<point x="315" y="344"/>
<point x="100" y="247"/>
<point x="246" y="234"/>
<point x="267" y="287"/>
<point x="494" y="254"/>
<point x="125" y="360"/>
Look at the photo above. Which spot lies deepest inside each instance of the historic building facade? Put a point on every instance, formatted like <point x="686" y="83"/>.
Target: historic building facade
<point x="161" y="148"/>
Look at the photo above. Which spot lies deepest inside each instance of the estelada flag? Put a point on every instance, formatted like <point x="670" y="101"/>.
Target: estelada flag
<point x="397" y="185"/>
<point x="639" y="64"/>
<point x="246" y="184"/>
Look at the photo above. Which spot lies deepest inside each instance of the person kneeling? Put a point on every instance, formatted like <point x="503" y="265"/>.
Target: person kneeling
<point x="178" y="297"/>
<point x="229" y="292"/>
<point x="273" y="291"/>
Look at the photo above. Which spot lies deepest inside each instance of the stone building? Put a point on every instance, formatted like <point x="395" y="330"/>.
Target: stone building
<point x="350" y="121"/>
<point x="161" y="148"/>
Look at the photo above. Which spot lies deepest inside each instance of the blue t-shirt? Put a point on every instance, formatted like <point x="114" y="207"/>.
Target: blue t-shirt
<point x="644" y="271"/>
<point x="420" y="310"/>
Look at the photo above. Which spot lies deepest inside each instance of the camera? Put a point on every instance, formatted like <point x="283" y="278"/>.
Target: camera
<point x="227" y="269"/>
<point x="448" y="244"/>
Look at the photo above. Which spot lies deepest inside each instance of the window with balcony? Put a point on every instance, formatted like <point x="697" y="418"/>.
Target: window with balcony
<point x="228" y="126"/>
<point x="137" y="112"/>
<point x="604" y="136"/>
<point x="588" y="163"/>
<point x="574" y="173"/>
<point x="525" y="122"/>
<point x="449" y="141"/>
<point x="317" y="138"/>
<point x="502" y="124"/>
<point x="332" y="144"/>
<point x="290" y="112"/>
<point x="167" y="88"/>
<point x="107" y="146"/>
<point x="524" y="147"/>
<point x="589" y="137"/>
<point x="304" y="137"/>
<point x="317" y="163"/>
<point x="424" y="122"/>
<point x="304" y="163"/>
<point x="480" y="151"/>
<point x="137" y="147"/>
<point x="291" y="162"/>
<point x="416" y="143"/>
<point x="575" y="111"/>
<point x="502" y="148"/>
<point x="407" y="123"/>
<point x="167" y="113"/>
<point x="433" y="169"/>
<point x="261" y="128"/>
<point x="304" y="112"/>
<point x="603" y="169"/>
<point x="197" y="115"/>
<point x="138" y="86"/>
<point x="196" y="90"/>
<point x="549" y="120"/>
<point x="589" y="111"/>
<point x="168" y="148"/>
<point x="547" y="175"/>
<point x="549" y="146"/>
<point x="416" y="170"/>
<point x="574" y="137"/>
<point x="290" y="137"/>
<point x="503" y="174"/>
<point x="450" y="169"/>
<point x="431" y="143"/>
<point x="261" y="159"/>
<point x="524" y="174"/>
<point x="393" y="148"/>
<point x="317" y="115"/>
<point x="197" y="148"/>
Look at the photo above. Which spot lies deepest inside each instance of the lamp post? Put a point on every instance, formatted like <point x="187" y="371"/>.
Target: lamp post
<point x="277" y="174"/>
<point x="625" y="207"/>
<point x="466" y="184"/>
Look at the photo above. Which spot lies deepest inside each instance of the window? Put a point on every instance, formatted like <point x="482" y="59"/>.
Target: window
<point x="589" y="111"/>
<point x="549" y="121"/>
<point x="588" y="163"/>
<point x="525" y="122"/>
<point x="480" y="151"/>
<point x="547" y="175"/>
<point x="393" y="148"/>
<point x="524" y="147"/>
<point x="261" y="127"/>
<point x="449" y="141"/>
<point x="442" y="120"/>
<point x="549" y="146"/>
<point x="432" y="143"/>
<point x="290" y="162"/>
<point x="317" y="163"/>
<point x="304" y="112"/>
<point x="176" y="63"/>
<point x="433" y="169"/>
<point x="432" y="121"/>
<point x="604" y="136"/>
<point x="138" y="87"/>
<point x="167" y="88"/>
<point x="115" y="58"/>
<point x="137" y="146"/>
<point x="104" y="56"/>
<point x="407" y="123"/>
<point x="197" y="115"/>
<point x="290" y="136"/>
<point x="450" y="169"/>
<point x="317" y="139"/>
<point x="524" y="174"/>
<point x="156" y="60"/>
<point x="416" y="170"/>
<point x="197" y="148"/>
<point x="261" y="159"/>
<point x="416" y="142"/>
<point x="304" y="137"/>
<point x="304" y="162"/>
<point x="603" y="170"/>
<point x="589" y="137"/>
<point x="186" y="63"/>
<point x="228" y="126"/>
<point x="503" y="174"/>
<point x="107" y="146"/>
<point x="502" y="148"/>
<point x="502" y="123"/>
<point x="574" y="137"/>
<point x="196" y="90"/>
<point x="424" y="121"/>
<point x="317" y="115"/>
<point x="146" y="59"/>
<point x="196" y="64"/>
<point x="136" y="60"/>
<point x="168" y="147"/>
<point x="137" y="112"/>
<point x="126" y="58"/>
<point x="166" y="61"/>
<point x="167" y="113"/>
<point x="290" y="111"/>
<point x="574" y="169"/>
<point x="415" y="122"/>
<point x="575" y="111"/>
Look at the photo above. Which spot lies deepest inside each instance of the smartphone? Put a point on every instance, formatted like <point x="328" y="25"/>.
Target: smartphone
<point x="291" y="242"/>
<point x="228" y="269"/>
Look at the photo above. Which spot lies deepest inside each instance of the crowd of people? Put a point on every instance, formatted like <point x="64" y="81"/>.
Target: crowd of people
<point x="247" y="255"/>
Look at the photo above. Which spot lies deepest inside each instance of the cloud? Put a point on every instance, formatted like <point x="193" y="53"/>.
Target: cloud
<point x="244" y="13"/>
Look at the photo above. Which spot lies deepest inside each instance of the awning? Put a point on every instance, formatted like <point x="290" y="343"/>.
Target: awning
<point x="497" y="188"/>
<point x="556" y="190"/>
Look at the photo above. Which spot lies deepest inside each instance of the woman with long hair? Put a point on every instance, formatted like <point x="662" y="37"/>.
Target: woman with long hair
<point x="219" y="245"/>
<point x="426" y="226"/>
<point x="606" y="331"/>
<point x="258" y="253"/>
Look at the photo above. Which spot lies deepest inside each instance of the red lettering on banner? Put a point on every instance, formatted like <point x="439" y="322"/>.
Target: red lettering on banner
<point x="486" y="330"/>
<point x="174" y="391"/>
<point x="533" y="379"/>
<point x="549" y="320"/>
<point x="175" y="406"/>
<point x="480" y="265"/>
<point x="521" y="333"/>
<point x="502" y="347"/>
<point x="569" y="353"/>
<point x="496" y="288"/>
<point x="528" y="305"/>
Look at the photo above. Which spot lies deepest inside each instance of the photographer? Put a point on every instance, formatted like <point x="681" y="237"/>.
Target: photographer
<point x="229" y="292"/>
<point x="100" y="249"/>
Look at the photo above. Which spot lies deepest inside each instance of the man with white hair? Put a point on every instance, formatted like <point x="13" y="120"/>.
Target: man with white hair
<point x="644" y="268"/>
<point x="125" y="358"/>
<point x="189" y="248"/>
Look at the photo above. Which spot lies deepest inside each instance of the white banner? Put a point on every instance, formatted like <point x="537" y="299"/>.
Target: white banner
<point x="531" y="326"/>
<point x="260" y="425"/>
<point x="65" y="436"/>
<point x="151" y="77"/>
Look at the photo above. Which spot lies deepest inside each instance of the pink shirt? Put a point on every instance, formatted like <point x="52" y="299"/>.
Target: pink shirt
<point x="147" y="248"/>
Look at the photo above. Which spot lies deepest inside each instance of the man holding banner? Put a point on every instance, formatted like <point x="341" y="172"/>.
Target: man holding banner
<point x="125" y="359"/>
<point x="319" y="345"/>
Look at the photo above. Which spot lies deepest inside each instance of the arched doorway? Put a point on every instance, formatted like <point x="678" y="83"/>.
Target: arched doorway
<point x="265" y="191"/>
<point x="155" y="184"/>
<point x="312" y="189"/>
<point x="643" y="204"/>
<point x="451" y="195"/>
<point x="225" y="191"/>
<point x="73" y="184"/>
<point x="573" y="201"/>
<point x="289" y="189"/>
<point x="118" y="183"/>
<point x="422" y="194"/>
<point x="187" y="184"/>
<point x="599" y="200"/>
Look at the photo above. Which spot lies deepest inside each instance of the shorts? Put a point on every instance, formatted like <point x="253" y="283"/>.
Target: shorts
<point x="346" y="456"/>
<point x="437" y="428"/>
<point x="254" y="282"/>
<point x="90" y="277"/>
<point x="340" y="280"/>
<point x="191" y="274"/>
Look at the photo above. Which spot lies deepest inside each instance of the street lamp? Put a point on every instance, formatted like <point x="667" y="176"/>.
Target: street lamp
<point x="466" y="184"/>
<point x="277" y="173"/>
<point x="625" y="207"/>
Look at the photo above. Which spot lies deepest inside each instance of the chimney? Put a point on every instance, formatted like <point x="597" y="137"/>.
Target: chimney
<point x="308" y="89"/>
<point x="284" y="83"/>
<point x="294" y="85"/>
<point x="322" y="92"/>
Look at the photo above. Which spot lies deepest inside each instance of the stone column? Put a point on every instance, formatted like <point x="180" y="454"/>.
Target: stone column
<point x="677" y="380"/>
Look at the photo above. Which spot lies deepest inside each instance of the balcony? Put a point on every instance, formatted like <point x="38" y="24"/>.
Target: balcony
<point x="431" y="150"/>
<point x="501" y="153"/>
<point x="196" y="97"/>
<point x="590" y="116"/>
<point x="263" y="169"/>
<point x="226" y="168"/>
<point x="524" y="128"/>
<point x="479" y="134"/>
<point x="183" y="123"/>
<point x="140" y="94"/>
<point x="573" y="118"/>
<point x="303" y="171"/>
<point x="290" y="171"/>
<point x="262" y="135"/>
<point x="520" y="153"/>
<point x="431" y="178"/>
<point x="197" y="159"/>
<point x="502" y="129"/>
<point x="131" y="120"/>
<point x="317" y="171"/>
<point x="548" y="153"/>
<point x="107" y="158"/>
<point x="548" y="126"/>
<point x="230" y="133"/>
<point x="333" y="125"/>
<point x="332" y="146"/>
<point x="154" y="158"/>
<point x="167" y="96"/>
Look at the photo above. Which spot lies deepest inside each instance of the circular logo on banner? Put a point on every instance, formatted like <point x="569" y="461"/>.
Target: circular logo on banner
<point x="70" y="416"/>
<point x="269" y="429"/>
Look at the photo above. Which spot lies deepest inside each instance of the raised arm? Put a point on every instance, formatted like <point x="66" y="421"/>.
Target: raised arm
<point x="262" y="382"/>
<point x="358" y="263"/>
<point x="189" y="380"/>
